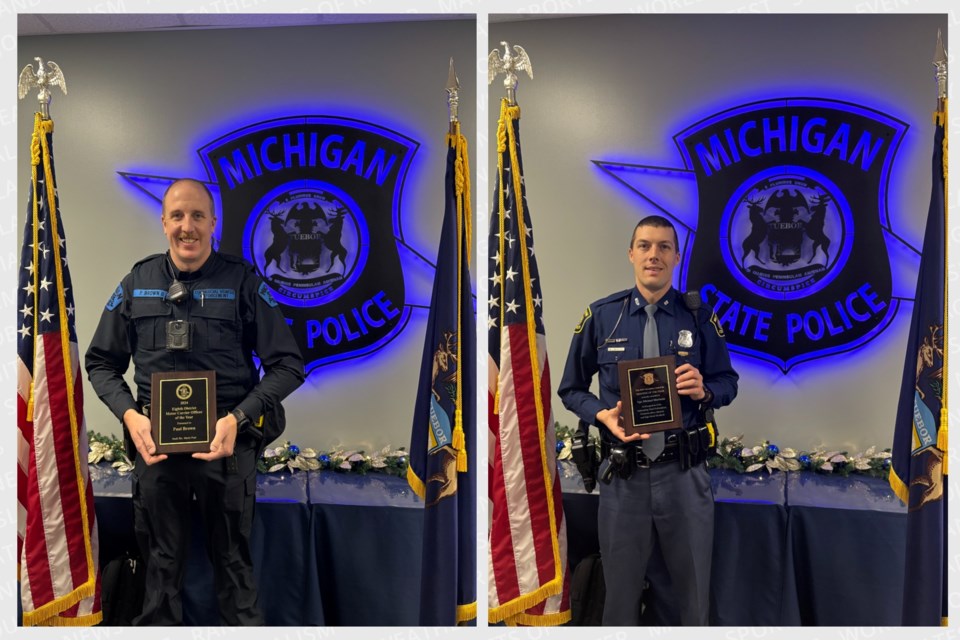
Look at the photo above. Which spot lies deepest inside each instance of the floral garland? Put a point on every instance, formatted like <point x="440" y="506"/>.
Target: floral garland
<point x="733" y="455"/>
<point x="109" y="449"/>
<point x="291" y="457"/>
<point x="288" y="457"/>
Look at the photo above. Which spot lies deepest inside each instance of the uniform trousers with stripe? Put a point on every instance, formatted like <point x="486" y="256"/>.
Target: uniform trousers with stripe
<point x="660" y="506"/>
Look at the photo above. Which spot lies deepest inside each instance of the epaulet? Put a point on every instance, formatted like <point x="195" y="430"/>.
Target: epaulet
<point x="613" y="297"/>
<point x="154" y="256"/>
<point x="232" y="259"/>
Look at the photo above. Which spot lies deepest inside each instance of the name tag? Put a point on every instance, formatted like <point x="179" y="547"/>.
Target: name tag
<point x="616" y="349"/>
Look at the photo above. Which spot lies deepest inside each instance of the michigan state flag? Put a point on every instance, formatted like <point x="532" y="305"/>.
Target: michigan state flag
<point x="442" y="467"/>
<point x="918" y="472"/>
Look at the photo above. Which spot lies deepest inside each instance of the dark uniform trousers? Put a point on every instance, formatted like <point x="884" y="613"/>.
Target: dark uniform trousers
<point x="162" y="494"/>
<point x="232" y="317"/>
<point x="659" y="509"/>
<point x="662" y="505"/>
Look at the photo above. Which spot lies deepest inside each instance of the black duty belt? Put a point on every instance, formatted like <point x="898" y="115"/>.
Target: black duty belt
<point x="670" y="453"/>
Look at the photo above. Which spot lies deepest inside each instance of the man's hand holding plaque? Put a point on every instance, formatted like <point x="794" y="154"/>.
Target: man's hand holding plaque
<point x="649" y="397"/>
<point x="183" y="411"/>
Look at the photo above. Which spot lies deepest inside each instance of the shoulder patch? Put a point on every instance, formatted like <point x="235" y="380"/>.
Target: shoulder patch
<point x="583" y="320"/>
<point x="715" y="321"/>
<point x="116" y="298"/>
<point x="264" y="292"/>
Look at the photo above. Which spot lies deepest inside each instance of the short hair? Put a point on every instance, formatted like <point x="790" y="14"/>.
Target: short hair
<point x="656" y="221"/>
<point x="206" y="190"/>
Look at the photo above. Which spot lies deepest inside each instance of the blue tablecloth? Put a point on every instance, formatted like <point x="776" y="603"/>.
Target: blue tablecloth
<point x="789" y="548"/>
<point x="847" y="537"/>
<point x="328" y="548"/>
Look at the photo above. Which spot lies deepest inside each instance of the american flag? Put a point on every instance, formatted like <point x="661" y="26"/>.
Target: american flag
<point x="56" y="529"/>
<point x="528" y="544"/>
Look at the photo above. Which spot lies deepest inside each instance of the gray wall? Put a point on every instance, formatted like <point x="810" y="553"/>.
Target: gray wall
<point x="619" y="87"/>
<point x="147" y="101"/>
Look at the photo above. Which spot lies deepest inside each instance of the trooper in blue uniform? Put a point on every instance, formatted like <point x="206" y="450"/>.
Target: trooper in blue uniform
<point x="651" y="503"/>
<point x="193" y="309"/>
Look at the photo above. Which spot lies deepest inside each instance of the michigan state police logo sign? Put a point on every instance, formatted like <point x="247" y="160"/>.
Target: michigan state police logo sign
<point x="790" y="242"/>
<point x="313" y="202"/>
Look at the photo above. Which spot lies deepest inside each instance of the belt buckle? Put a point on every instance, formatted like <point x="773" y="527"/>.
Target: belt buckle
<point x="643" y="460"/>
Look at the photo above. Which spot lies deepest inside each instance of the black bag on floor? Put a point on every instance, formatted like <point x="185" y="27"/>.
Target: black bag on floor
<point x="587" y="592"/>
<point x="122" y="583"/>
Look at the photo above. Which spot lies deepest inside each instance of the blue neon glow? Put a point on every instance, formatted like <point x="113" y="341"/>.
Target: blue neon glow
<point x="620" y="171"/>
<point x="415" y="264"/>
<point x="363" y="244"/>
<point x="732" y="262"/>
<point x="893" y="305"/>
<point x="365" y="351"/>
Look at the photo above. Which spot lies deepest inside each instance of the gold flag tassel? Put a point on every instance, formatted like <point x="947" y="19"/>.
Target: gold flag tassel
<point x="462" y="197"/>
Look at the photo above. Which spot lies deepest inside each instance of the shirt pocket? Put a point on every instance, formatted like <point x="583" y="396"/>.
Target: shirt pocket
<point x="215" y="325"/>
<point x="608" y="361"/>
<point x="688" y="354"/>
<point x="150" y="316"/>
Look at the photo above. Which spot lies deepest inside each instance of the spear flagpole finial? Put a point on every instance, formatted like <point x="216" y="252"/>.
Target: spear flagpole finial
<point x="940" y="62"/>
<point x="453" y="96"/>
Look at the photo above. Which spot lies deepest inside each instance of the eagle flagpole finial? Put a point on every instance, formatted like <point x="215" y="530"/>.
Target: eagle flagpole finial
<point x="453" y="96"/>
<point x="509" y="64"/>
<point x="940" y="62"/>
<point x="43" y="79"/>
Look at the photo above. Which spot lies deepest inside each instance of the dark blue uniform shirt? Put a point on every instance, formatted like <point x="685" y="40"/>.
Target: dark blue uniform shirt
<point x="611" y="330"/>
<point x="233" y="318"/>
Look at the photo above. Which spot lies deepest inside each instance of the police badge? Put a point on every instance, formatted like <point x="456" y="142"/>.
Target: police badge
<point x="685" y="339"/>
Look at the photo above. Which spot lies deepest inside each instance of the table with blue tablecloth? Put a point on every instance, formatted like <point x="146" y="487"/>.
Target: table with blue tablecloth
<point x="795" y="548"/>
<point x="329" y="548"/>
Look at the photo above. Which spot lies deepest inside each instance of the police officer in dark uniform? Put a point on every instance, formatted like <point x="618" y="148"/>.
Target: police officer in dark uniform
<point x="195" y="309"/>
<point x="658" y="495"/>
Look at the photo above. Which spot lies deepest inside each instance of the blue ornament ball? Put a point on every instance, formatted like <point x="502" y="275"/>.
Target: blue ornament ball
<point x="804" y="460"/>
<point x="324" y="458"/>
<point x="886" y="463"/>
<point x="559" y="446"/>
<point x="294" y="450"/>
<point x="773" y="449"/>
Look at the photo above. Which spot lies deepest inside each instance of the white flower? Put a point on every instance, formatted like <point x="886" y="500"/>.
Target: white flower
<point x="567" y="452"/>
<point x="355" y="458"/>
<point x="98" y="452"/>
<point x="838" y="458"/>
<point x="123" y="466"/>
<point x="345" y="465"/>
<point x="754" y="467"/>
<point x="378" y="463"/>
<point x="308" y="453"/>
<point x="792" y="464"/>
<point x="827" y="466"/>
<point x="276" y="467"/>
<point x="788" y="453"/>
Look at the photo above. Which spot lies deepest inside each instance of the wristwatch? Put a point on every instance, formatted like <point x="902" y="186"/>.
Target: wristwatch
<point x="707" y="397"/>
<point x="243" y="421"/>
